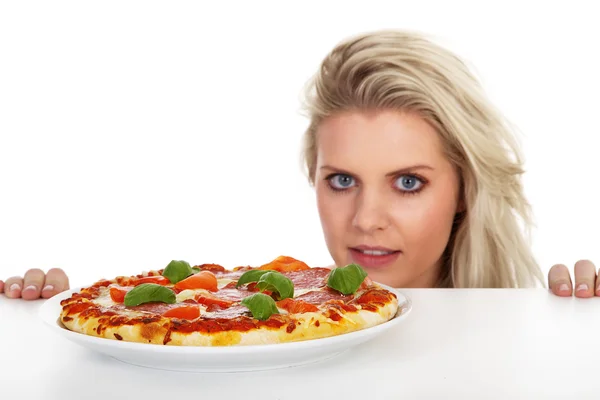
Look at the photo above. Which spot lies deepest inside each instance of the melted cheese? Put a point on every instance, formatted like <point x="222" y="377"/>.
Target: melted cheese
<point x="104" y="299"/>
<point x="300" y="292"/>
<point x="185" y="295"/>
<point x="222" y="282"/>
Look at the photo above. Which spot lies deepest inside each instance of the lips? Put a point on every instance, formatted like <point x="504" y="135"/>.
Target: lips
<point x="374" y="256"/>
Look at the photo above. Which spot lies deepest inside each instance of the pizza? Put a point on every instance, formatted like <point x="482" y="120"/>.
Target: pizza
<point x="282" y="301"/>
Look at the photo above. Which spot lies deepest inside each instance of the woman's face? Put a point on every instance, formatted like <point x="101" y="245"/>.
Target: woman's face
<point x="387" y="196"/>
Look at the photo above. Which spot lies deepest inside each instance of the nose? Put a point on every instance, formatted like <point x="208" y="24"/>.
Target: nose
<point x="371" y="212"/>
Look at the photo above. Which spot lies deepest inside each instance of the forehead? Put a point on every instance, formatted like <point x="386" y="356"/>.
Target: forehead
<point x="386" y="139"/>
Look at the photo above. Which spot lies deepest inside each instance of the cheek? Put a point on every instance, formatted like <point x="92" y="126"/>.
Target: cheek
<point x="326" y="207"/>
<point x="333" y="213"/>
<point x="426" y="230"/>
<point x="429" y="231"/>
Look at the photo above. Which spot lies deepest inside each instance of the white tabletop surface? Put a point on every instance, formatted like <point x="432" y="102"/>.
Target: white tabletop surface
<point x="475" y="344"/>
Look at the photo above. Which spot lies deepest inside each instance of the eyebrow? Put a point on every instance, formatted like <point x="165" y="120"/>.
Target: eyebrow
<point x="393" y="173"/>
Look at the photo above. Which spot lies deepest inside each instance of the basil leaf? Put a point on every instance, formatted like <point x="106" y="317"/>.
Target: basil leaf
<point x="251" y="276"/>
<point x="260" y="305"/>
<point x="148" y="292"/>
<point x="346" y="279"/>
<point x="277" y="283"/>
<point x="177" y="271"/>
<point x="195" y="270"/>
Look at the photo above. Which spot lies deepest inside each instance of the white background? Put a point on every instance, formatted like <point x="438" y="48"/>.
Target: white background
<point x="134" y="133"/>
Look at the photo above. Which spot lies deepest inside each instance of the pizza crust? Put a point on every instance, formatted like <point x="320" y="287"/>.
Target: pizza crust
<point x="313" y="325"/>
<point x="152" y="332"/>
<point x="308" y="326"/>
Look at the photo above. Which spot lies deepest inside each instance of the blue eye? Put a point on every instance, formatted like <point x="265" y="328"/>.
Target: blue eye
<point x="409" y="183"/>
<point x="340" y="181"/>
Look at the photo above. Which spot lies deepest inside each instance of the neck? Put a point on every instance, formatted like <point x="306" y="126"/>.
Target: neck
<point x="430" y="278"/>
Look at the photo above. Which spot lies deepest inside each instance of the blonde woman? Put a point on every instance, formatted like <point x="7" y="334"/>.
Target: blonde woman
<point x="417" y="176"/>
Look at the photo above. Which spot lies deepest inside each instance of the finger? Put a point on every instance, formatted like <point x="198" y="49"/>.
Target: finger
<point x="13" y="286"/>
<point x="56" y="282"/>
<point x="1" y="286"/>
<point x="33" y="281"/>
<point x="559" y="280"/>
<point x="585" y="278"/>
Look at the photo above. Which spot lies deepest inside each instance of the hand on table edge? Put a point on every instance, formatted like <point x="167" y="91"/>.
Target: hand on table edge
<point x="35" y="284"/>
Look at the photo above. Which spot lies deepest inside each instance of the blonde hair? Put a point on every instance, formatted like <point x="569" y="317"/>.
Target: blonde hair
<point x="405" y="71"/>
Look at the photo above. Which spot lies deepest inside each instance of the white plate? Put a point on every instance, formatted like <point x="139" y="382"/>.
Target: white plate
<point x="220" y="359"/>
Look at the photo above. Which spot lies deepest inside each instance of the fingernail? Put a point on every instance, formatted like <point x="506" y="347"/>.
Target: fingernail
<point x="582" y="287"/>
<point x="563" y="288"/>
<point x="30" y="287"/>
<point x="14" y="286"/>
<point x="48" y="287"/>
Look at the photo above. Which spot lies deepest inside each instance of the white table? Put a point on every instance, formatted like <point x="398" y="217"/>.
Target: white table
<point x="475" y="344"/>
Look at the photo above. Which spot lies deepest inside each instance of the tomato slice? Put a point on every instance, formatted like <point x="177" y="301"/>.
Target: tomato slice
<point x="285" y="264"/>
<point x="202" y="280"/>
<point x="158" y="279"/>
<point x="209" y="300"/>
<point x="374" y="295"/>
<point x="188" y="311"/>
<point x="117" y="294"/>
<point x="296" y="306"/>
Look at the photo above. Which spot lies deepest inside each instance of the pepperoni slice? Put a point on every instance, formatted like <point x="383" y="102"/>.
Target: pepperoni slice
<point x="321" y="296"/>
<point x="314" y="278"/>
